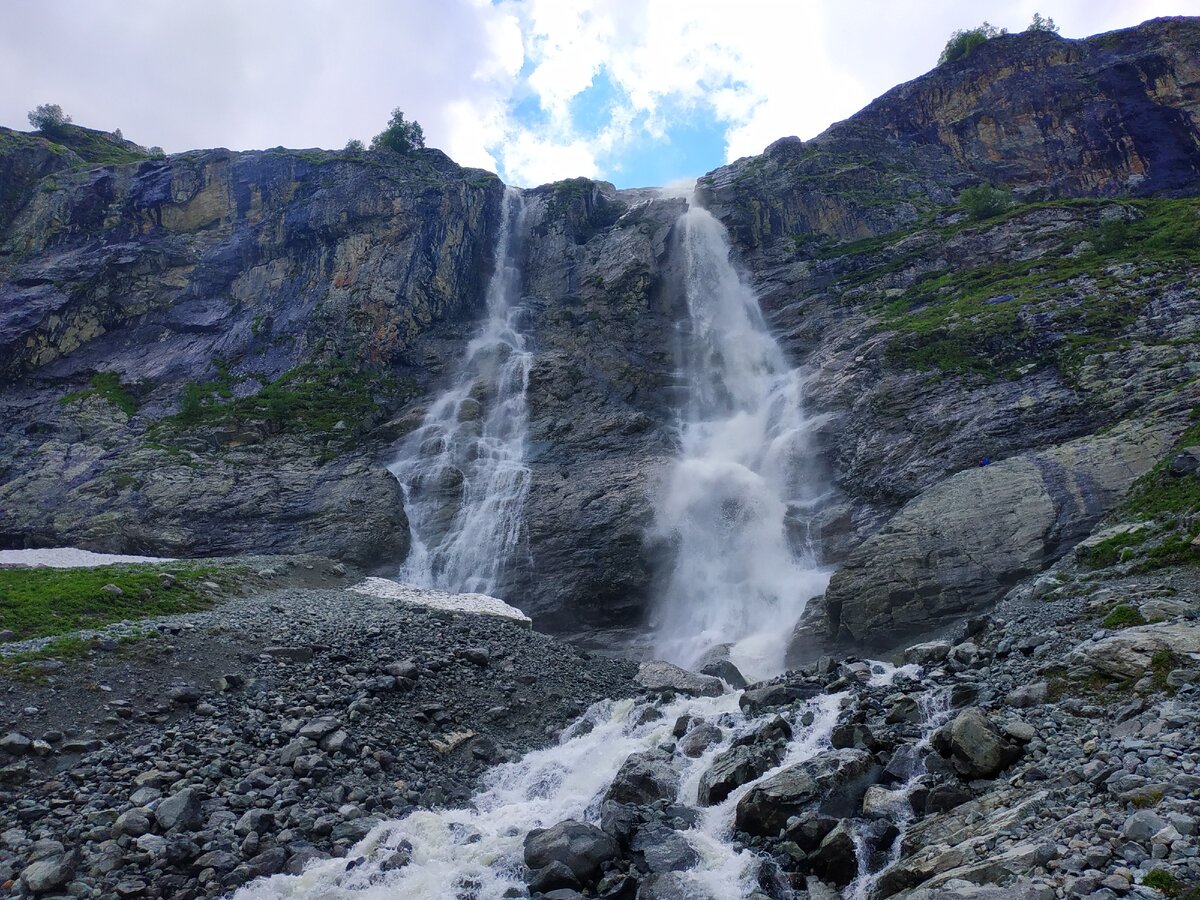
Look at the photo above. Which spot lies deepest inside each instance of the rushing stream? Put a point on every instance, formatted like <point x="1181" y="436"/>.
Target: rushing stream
<point x="744" y="488"/>
<point x="463" y="470"/>
<point x="476" y="852"/>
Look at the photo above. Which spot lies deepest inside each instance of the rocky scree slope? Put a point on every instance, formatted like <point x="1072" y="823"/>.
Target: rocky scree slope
<point x="182" y="757"/>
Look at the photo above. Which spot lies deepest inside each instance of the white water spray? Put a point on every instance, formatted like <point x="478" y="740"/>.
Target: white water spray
<point x="742" y="493"/>
<point x="463" y="470"/>
<point x="476" y="853"/>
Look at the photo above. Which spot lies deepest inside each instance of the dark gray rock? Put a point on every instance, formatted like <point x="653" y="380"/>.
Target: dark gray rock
<point x="180" y="812"/>
<point x="974" y="746"/>
<point x="835" y="779"/>
<point x="644" y="778"/>
<point x="663" y="849"/>
<point x="736" y="767"/>
<point x="581" y="848"/>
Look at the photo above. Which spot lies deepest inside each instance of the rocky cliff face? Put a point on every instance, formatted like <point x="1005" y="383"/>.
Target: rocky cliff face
<point x="218" y="352"/>
<point x="197" y="350"/>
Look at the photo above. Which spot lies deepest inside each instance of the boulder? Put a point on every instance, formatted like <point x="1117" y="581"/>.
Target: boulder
<point x="836" y="859"/>
<point x="699" y="739"/>
<point x="756" y="700"/>
<point x="45" y="875"/>
<point x="962" y="543"/>
<point x="855" y="735"/>
<point x="1128" y="653"/>
<point x="726" y="671"/>
<point x="928" y="654"/>
<point x="659" y="676"/>
<point x="736" y="767"/>
<point x="976" y="749"/>
<point x="642" y="779"/>
<point x="1028" y="695"/>
<point x="581" y="849"/>
<point x="180" y="812"/>
<point x="834" y="780"/>
<point x="663" y="849"/>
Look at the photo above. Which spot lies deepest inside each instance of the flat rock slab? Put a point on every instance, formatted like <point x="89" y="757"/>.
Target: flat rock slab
<point x="658" y="675"/>
<point x="478" y="604"/>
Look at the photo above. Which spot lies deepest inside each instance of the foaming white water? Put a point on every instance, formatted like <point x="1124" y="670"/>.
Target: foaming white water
<point x="476" y="853"/>
<point x="463" y="470"/>
<point x="742" y="493"/>
<point x="934" y="706"/>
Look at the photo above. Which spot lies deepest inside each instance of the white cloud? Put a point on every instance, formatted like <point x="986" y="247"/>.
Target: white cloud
<point x="225" y="72"/>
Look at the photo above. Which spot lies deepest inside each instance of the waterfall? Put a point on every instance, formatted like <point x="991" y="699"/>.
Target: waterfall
<point x="463" y="470"/>
<point x="741" y="494"/>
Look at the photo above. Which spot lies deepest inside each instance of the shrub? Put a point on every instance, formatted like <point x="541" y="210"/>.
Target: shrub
<point x="1161" y="880"/>
<point x="1042" y="23"/>
<point x="962" y="42"/>
<point x="985" y="201"/>
<point x="399" y="136"/>
<point x="354" y="145"/>
<point x="49" y="117"/>
<point x="1123" y="616"/>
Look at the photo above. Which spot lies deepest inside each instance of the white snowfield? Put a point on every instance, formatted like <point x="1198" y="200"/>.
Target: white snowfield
<point x="70" y="558"/>
<point x="480" y="604"/>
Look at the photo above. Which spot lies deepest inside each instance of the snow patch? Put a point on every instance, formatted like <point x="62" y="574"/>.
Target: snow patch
<point x="71" y="558"/>
<point x="479" y="604"/>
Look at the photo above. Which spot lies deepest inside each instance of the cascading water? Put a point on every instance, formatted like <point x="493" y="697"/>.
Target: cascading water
<point x="463" y="470"/>
<point x="934" y="706"/>
<point x="742" y="493"/>
<point x="476" y="853"/>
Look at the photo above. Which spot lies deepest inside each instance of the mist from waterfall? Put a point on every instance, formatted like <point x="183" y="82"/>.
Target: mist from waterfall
<point x="463" y="470"/>
<point x="741" y="495"/>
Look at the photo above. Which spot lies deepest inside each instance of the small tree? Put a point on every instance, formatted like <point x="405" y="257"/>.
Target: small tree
<point x="962" y="42"/>
<point x="1041" y="23"/>
<point x="399" y="136"/>
<point x="48" y="117"/>
<point x="354" y="145"/>
<point x="985" y="201"/>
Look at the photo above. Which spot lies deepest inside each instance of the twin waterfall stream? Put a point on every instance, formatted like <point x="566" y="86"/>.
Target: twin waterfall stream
<point x="736" y="507"/>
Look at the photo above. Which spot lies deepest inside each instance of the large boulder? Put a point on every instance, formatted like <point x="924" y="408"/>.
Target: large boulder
<point x="964" y="542"/>
<point x="642" y="779"/>
<point x="734" y="768"/>
<point x="1128" y="653"/>
<point x="576" y="847"/>
<point x="832" y="781"/>
<point x="659" y="676"/>
<point x="975" y="747"/>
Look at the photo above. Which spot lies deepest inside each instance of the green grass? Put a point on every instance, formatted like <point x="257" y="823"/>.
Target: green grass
<point x="1109" y="551"/>
<point x="1170" y="886"/>
<point x="42" y="602"/>
<point x="957" y="321"/>
<point x="96" y="147"/>
<point x="1162" y="663"/>
<point x="1123" y="616"/>
<point x="1158" y="493"/>
<point x="309" y="399"/>
<point x="107" y="385"/>
<point x="23" y="666"/>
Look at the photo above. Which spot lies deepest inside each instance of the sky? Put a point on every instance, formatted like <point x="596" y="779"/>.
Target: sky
<point x="637" y="92"/>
